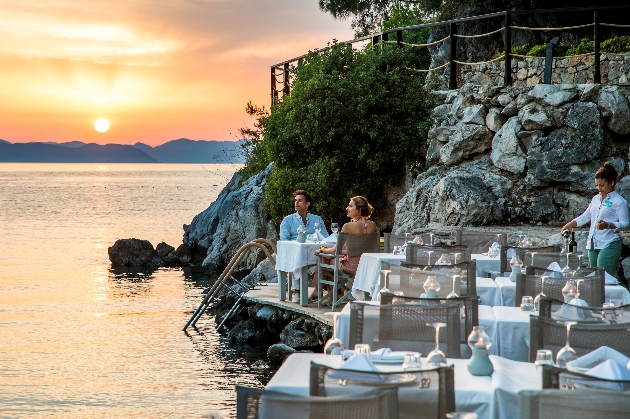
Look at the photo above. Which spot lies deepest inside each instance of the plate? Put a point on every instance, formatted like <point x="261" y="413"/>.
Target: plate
<point x="387" y="361"/>
<point x="349" y="377"/>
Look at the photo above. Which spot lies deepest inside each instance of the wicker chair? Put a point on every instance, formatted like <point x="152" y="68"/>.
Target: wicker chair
<point x="467" y="271"/>
<point x="469" y="309"/>
<point x="479" y="241"/>
<point x="585" y="337"/>
<point x="430" y="396"/>
<point x="557" y="378"/>
<point x="253" y="403"/>
<point x="353" y="245"/>
<point x="555" y="404"/>
<point x="591" y="288"/>
<point x="504" y="265"/>
<point x="549" y="308"/>
<point x="392" y="240"/>
<point x="418" y="254"/>
<point x="403" y="327"/>
<point x="544" y="259"/>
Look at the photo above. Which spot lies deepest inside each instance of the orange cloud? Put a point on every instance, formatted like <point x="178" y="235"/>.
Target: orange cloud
<point x="156" y="70"/>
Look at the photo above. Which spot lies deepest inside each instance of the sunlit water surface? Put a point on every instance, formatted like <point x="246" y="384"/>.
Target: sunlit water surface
<point x="76" y="340"/>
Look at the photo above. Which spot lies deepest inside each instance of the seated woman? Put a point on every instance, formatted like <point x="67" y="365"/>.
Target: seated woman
<point x="359" y="211"/>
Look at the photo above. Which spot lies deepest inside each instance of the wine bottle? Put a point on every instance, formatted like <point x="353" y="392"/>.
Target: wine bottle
<point x="573" y="244"/>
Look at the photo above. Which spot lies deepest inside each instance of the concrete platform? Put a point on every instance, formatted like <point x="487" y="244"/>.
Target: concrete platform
<point x="267" y="294"/>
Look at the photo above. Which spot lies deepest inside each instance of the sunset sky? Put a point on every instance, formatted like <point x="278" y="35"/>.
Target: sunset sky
<point x="158" y="70"/>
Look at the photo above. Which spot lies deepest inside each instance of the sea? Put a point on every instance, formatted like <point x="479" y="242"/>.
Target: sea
<point x="78" y="340"/>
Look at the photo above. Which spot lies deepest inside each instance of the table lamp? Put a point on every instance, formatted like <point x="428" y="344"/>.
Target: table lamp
<point x="431" y="287"/>
<point x="480" y="342"/>
<point x="516" y="263"/>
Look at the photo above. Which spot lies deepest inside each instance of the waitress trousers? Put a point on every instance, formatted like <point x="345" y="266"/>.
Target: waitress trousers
<point x="606" y="258"/>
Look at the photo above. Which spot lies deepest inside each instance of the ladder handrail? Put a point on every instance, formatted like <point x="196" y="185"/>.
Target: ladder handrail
<point x="227" y="273"/>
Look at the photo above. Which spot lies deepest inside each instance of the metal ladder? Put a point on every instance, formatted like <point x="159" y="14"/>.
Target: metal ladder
<point x="227" y="274"/>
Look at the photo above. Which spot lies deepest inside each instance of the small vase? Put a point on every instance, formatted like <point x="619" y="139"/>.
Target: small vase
<point x="301" y="238"/>
<point x="480" y="363"/>
<point x="515" y="270"/>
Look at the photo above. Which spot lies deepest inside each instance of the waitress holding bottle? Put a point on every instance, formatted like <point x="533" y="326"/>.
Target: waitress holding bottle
<point x="608" y="214"/>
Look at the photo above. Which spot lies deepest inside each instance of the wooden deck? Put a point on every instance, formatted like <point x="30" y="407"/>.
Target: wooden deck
<point x="267" y="294"/>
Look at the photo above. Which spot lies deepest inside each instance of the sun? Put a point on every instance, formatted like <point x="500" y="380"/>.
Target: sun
<point x="101" y="125"/>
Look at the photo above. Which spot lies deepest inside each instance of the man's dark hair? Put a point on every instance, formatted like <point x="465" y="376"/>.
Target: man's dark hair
<point x="307" y="196"/>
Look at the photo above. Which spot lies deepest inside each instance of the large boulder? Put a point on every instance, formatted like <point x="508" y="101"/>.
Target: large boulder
<point x="554" y="94"/>
<point x="470" y="194"/>
<point x="534" y="116"/>
<point x="614" y="107"/>
<point x="467" y="141"/>
<point x="133" y="253"/>
<point x="302" y="333"/>
<point x="276" y="354"/>
<point x="236" y="217"/>
<point x="507" y="150"/>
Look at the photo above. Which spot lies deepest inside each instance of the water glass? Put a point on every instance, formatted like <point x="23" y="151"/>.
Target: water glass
<point x="362" y="348"/>
<point x="411" y="361"/>
<point x="527" y="303"/>
<point x="544" y="357"/>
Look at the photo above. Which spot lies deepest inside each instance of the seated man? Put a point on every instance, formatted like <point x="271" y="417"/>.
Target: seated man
<point x="288" y="231"/>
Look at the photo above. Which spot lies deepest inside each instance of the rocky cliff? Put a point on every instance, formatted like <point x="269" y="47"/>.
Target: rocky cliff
<point x="517" y="155"/>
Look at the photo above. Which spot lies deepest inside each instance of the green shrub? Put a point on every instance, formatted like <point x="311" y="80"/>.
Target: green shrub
<point x="616" y="45"/>
<point x="585" y="46"/>
<point x="521" y="50"/>
<point x="537" y="51"/>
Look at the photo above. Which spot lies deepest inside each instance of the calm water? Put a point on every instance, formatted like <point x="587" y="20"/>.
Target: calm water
<point x="77" y="341"/>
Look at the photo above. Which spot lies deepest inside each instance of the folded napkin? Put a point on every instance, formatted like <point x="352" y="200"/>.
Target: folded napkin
<point x="383" y="354"/>
<point x="571" y="312"/>
<point x="359" y="362"/>
<point x="596" y="357"/>
<point x="331" y="239"/>
<point x="319" y="236"/>
<point x="554" y="267"/>
<point x="578" y="302"/>
<point x="610" y="370"/>
<point x="608" y="278"/>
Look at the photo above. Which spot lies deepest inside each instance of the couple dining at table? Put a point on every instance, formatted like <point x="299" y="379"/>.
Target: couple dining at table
<point x="358" y="210"/>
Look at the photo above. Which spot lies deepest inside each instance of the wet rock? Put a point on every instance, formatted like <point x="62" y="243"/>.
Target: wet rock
<point x="248" y="331"/>
<point x="507" y="152"/>
<point x="260" y="365"/>
<point x="276" y="354"/>
<point x="164" y="249"/>
<point x="300" y="333"/>
<point x="132" y="253"/>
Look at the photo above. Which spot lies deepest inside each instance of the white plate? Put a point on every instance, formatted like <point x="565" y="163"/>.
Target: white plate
<point x="387" y="361"/>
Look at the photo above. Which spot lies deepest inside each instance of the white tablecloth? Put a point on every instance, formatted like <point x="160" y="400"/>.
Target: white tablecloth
<point x="485" y="264"/>
<point x="367" y="278"/>
<point x="493" y="397"/>
<point x="489" y="292"/>
<point x="508" y="292"/>
<point x="512" y="332"/>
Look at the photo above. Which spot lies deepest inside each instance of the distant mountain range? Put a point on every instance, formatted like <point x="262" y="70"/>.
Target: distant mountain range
<point x="176" y="151"/>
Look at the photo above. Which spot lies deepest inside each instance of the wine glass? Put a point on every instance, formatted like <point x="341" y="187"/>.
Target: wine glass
<point x="429" y="253"/>
<point x="317" y="230"/>
<point x="519" y="243"/>
<point x="565" y="271"/>
<point x="383" y="290"/>
<point x="334" y="346"/>
<point x="542" y="294"/>
<point x="334" y="227"/>
<point x="431" y="239"/>
<point x="578" y="271"/>
<point x="453" y="294"/>
<point x="566" y="354"/>
<point x="436" y="357"/>
<point x="456" y="257"/>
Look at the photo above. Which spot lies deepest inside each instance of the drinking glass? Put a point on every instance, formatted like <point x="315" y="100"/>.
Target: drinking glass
<point x="542" y="294"/>
<point x="453" y="294"/>
<point x="383" y="290"/>
<point x="429" y="253"/>
<point x="431" y="239"/>
<point x="362" y="348"/>
<point x="565" y="271"/>
<point x="461" y="415"/>
<point x="543" y="357"/>
<point x="436" y="357"/>
<point x="398" y="298"/>
<point x="317" y="230"/>
<point x="456" y="257"/>
<point x="334" y="227"/>
<point x="527" y="303"/>
<point x="411" y="361"/>
<point x="578" y="271"/>
<point x="334" y="346"/>
<point x="566" y="354"/>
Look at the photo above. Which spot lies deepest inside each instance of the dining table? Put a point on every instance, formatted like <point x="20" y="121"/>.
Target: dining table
<point x="508" y="292"/>
<point x="490" y="397"/>
<point x="508" y="327"/>
<point x="487" y="265"/>
<point x="293" y="257"/>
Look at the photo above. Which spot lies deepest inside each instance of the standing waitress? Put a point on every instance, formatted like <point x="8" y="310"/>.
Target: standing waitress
<point x="608" y="214"/>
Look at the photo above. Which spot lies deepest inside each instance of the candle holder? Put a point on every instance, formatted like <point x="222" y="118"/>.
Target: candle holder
<point x="301" y="237"/>
<point x="431" y="287"/>
<point x="517" y="264"/>
<point x="480" y="342"/>
<point x="569" y="291"/>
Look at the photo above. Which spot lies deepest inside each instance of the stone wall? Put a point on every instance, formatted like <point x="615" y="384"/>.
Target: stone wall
<point x="517" y="155"/>
<point x="528" y="72"/>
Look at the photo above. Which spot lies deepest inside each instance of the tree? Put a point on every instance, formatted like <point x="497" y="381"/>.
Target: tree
<point x="352" y="122"/>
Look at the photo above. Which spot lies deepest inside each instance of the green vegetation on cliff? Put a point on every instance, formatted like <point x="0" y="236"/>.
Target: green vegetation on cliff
<point x="353" y="121"/>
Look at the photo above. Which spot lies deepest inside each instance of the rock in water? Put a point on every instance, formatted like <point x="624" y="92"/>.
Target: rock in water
<point x="133" y="253"/>
<point x="276" y="354"/>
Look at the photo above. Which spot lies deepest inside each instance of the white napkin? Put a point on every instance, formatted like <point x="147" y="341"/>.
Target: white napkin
<point x="578" y="302"/>
<point x="570" y="312"/>
<point x="386" y="354"/>
<point x="609" y="279"/>
<point x="359" y="362"/>
<point x="595" y="357"/>
<point x="320" y="237"/>
<point x="331" y="239"/>
<point x="610" y="370"/>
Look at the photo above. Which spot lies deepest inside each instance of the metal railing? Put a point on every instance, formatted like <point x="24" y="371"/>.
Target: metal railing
<point x="262" y="244"/>
<point x="283" y="68"/>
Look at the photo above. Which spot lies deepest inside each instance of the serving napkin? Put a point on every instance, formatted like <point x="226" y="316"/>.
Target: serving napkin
<point x="608" y="278"/>
<point x="596" y="357"/>
<point x="383" y="354"/>
<point x="359" y="362"/>
<point x="610" y="370"/>
<point x="555" y="268"/>
<point x="330" y="239"/>
<point x="570" y="312"/>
